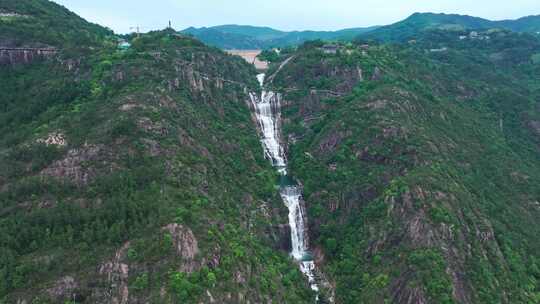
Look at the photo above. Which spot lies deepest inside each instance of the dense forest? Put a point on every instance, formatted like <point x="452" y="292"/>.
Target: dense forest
<point x="136" y="174"/>
<point x="121" y="177"/>
<point x="420" y="165"/>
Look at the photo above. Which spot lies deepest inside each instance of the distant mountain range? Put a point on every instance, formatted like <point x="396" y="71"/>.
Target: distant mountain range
<point x="419" y="22"/>
<point x="253" y="37"/>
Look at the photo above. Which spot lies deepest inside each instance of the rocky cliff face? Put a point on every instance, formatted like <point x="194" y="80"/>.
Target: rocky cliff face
<point x="13" y="56"/>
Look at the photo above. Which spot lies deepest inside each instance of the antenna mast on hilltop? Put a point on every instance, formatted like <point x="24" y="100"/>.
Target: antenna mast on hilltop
<point x="170" y="26"/>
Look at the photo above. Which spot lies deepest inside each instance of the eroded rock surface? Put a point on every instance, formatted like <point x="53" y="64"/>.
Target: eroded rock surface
<point x="56" y="139"/>
<point x="74" y="166"/>
<point x="13" y="56"/>
<point x="64" y="289"/>
<point x="185" y="245"/>
<point x="116" y="272"/>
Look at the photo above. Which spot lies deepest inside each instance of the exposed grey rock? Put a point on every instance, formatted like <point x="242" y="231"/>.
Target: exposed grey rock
<point x="282" y="237"/>
<point x="63" y="289"/>
<point x="13" y="56"/>
<point x="185" y="245"/>
<point x="117" y="273"/>
<point x="72" y="167"/>
<point x="377" y="74"/>
<point x="55" y="138"/>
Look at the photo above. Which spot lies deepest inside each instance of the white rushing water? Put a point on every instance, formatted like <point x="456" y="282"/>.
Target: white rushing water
<point x="267" y="111"/>
<point x="291" y="196"/>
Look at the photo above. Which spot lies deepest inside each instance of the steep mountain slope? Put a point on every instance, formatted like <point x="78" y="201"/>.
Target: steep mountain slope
<point x="420" y="169"/>
<point x="419" y="22"/>
<point x="45" y="23"/>
<point x="135" y="176"/>
<point x="252" y="37"/>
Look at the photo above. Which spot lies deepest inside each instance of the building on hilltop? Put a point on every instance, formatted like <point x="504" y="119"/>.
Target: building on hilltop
<point x="330" y="48"/>
<point x="123" y="44"/>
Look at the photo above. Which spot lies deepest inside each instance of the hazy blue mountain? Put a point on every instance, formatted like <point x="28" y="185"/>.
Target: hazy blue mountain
<point x="525" y="24"/>
<point x="253" y="37"/>
<point x="233" y="36"/>
<point x="224" y="40"/>
<point x="261" y="33"/>
<point x="296" y="37"/>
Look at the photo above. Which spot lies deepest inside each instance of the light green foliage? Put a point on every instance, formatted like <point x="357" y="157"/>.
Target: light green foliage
<point x="430" y="270"/>
<point x="132" y="254"/>
<point x="184" y="287"/>
<point x="141" y="282"/>
<point x="211" y="278"/>
<point x="166" y="243"/>
<point x="440" y="215"/>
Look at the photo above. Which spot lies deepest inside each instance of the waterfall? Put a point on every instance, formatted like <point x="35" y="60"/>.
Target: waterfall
<point x="268" y="117"/>
<point x="291" y="196"/>
<point x="267" y="110"/>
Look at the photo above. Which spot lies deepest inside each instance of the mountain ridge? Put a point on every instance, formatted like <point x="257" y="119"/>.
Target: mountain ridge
<point x="418" y="22"/>
<point x="234" y="36"/>
<point x="49" y="23"/>
<point x="231" y="36"/>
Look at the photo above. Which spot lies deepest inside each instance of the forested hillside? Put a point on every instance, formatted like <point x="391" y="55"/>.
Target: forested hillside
<point x="133" y="176"/>
<point x="133" y="173"/>
<point x="38" y="22"/>
<point x="418" y="23"/>
<point x="421" y="166"/>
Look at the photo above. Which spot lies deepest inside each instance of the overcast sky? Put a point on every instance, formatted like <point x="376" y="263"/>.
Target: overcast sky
<point x="120" y="15"/>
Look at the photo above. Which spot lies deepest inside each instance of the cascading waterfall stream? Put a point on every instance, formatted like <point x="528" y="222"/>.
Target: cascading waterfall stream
<point x="267" y="111"/>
